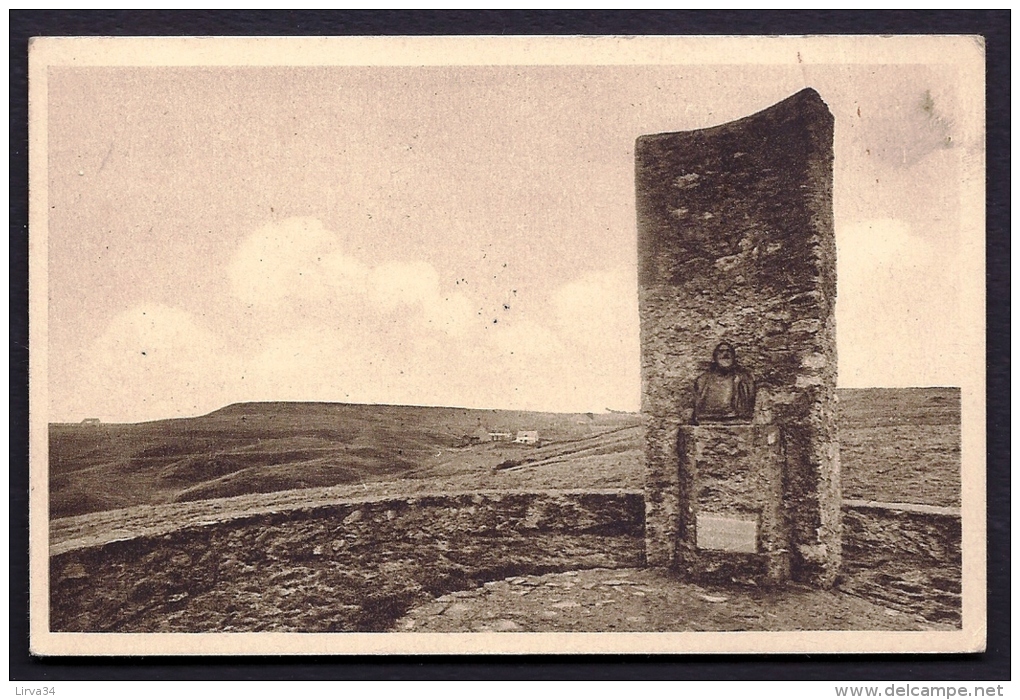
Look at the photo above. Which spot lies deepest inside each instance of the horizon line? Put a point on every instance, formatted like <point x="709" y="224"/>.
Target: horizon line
<point x="604" y="411"/>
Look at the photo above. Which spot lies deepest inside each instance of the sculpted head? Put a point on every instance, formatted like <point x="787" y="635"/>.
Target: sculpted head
<point x="724" y="357"/>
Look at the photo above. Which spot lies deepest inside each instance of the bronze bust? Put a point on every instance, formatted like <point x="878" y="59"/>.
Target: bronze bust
<point x="725" y="393"/>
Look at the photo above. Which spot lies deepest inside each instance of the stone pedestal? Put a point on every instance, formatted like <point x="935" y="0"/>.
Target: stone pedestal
<point x="736" y="244"/>
<point x="732" y="521"/>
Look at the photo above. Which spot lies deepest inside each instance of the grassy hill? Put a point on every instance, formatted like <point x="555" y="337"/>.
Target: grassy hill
<point x="896" y="445"/>
<point x="901" y="445"/>
<point x="263" y="447"/>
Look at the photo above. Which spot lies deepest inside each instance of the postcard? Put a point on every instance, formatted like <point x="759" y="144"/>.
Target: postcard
<point x="462" y="345"/>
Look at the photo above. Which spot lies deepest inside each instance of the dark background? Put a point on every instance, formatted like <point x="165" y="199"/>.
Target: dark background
<point x="994" y="25"/>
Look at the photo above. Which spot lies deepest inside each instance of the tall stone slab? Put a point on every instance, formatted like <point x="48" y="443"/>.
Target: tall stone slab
<point x="736" y="244"/>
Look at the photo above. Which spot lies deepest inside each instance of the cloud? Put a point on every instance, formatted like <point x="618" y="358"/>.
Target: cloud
<point x="525" y="340"/>
<point x="418" y="343"/>
<point x="291" y="265"/>
<point x="596" y="305"/>
<point x="597" y="315"/>
<point x="318" y="324"/>
<point x="338" y="272"/>
<point x="897" y="309"/>
<point x="395" y="284"/>
<point x="414" y="286"/>
<point x="314" y="364"/>
<point x="451" y="314"/>
<point x="868" y="248"/>
<point x="154" y="361"/>
<point x="294" y="258"/>
<point x="155" y="332"/>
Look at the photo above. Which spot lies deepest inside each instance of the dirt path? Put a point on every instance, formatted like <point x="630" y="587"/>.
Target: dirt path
<point x="646" y="600"/>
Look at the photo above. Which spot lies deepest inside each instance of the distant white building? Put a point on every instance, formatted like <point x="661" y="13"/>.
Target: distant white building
<point x="527" y="437"/>
<point x="90" y="421"/>
<point x="501" y="437"/>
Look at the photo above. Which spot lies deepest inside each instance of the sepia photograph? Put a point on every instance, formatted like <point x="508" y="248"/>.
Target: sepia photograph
<point x="461" y="345"/>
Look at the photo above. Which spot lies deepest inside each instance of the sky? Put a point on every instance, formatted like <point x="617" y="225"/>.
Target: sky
<point x="446" y="235"/>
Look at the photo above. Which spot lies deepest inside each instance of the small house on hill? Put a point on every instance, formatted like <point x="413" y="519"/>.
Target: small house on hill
<point x="501" y="437"/>
<point x="90" y="421"/>
<point x="527" y="437"/>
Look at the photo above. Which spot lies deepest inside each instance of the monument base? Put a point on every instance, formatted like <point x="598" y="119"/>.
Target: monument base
<point x="732" y="526"/>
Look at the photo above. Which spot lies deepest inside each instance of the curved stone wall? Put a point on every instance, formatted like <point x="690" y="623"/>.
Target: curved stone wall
<point x="347" y="566"/>
<point x="904" y="556"/>
<point x="359" y="565"/>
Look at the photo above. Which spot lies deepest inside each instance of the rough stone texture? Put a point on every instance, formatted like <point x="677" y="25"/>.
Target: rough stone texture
<point x="359" y="565"/>
<point x="349" y="566"/>
<point x="650" y="600"/>
<point x="733" y="471"/>
<point x="736" y="243"/>
<point x="905" y="556"/>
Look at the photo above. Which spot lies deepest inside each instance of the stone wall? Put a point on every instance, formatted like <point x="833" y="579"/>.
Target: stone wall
<point x="358" y="566"/>
<point x="905" y="556"/>
<point x="732" y="524"/>
<point x="736" y="243"/>
<point x="349" y="566"/>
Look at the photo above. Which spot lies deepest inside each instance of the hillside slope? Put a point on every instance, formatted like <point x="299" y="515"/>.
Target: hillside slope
<point x="896" y="445"/>
<point x="266" y="447"/>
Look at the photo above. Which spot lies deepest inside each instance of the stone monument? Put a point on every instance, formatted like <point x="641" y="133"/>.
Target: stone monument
<point x="737" y="278"/>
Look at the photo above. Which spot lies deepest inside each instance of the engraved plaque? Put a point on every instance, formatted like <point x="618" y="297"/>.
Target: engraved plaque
<point x="727" y="534"/>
